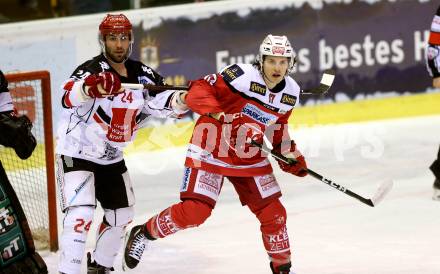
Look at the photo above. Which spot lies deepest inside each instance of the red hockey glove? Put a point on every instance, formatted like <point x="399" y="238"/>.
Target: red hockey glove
<point x="102" y="85"/>
<point x="299" y="168"/>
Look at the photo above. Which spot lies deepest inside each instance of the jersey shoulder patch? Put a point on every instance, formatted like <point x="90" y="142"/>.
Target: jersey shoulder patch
<point x="232" y="72"/>
<point x="290" y="93"/>
<point x="92" y="66"/>
<point x="288" y="99"/>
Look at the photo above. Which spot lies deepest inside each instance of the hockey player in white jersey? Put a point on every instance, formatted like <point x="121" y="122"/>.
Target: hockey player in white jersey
<point x="242" y="101"/>
<point x="99" y="119"/>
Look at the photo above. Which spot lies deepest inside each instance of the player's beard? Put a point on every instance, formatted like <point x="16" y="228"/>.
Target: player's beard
<point x="117" y="57"/>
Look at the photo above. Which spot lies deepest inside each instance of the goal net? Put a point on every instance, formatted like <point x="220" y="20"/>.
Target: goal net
<point x="33" y="179"/>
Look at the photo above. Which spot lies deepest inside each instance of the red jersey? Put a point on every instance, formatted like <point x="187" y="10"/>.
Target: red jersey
<point x="434" y="35"/>
<point x="251" y="110"/>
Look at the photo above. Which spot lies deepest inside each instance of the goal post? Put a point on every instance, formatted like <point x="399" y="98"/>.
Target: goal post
<point x="33" y="179"/>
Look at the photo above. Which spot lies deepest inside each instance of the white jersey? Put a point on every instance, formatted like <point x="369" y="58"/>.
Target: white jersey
<point x="97" y="129"/>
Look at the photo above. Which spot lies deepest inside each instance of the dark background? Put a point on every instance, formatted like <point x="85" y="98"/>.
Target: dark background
<point x="24" y="10"/>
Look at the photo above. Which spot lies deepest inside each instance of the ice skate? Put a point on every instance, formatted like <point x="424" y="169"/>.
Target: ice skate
<point x="95" y="268"/>
<point x="282" y="269"/>
<point x="436" y="192"/>
<point x="135" y="244"/>
<point x="436" y="187"/>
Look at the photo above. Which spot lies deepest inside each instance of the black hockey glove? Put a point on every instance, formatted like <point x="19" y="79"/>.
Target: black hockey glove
<point x="16" y="132"/>
<point x="435" y="166"/>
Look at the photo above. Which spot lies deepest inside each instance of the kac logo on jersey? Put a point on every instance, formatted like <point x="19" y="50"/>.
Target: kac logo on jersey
<point x="211" y="79"/>
<point x="258" y="115"/>
<point x="288" y="99"/>
<point x="258" y="88"/>
<point x="271" y="97"/>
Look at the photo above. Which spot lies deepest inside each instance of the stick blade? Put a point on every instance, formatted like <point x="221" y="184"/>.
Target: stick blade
<point x="326" y="82"/>
<point x="382" y="191"/>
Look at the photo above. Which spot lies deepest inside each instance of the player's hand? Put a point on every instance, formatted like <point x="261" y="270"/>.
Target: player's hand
<point x="299" y="168"/>
<point x="102" y="85"/>
<point x="178" y="102"/>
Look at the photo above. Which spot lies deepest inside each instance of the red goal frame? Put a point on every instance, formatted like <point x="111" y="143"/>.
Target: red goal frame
<point x="44" y="77"/>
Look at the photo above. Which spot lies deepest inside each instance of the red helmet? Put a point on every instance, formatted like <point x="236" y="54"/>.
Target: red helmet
<point x="115" y="23"/>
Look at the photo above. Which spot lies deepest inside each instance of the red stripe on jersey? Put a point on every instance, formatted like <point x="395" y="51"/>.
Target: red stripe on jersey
<point x="100" y="122"/>
<point x="434" y="38"/>
<point x="67" y="101"/>
<point x="68" y="87"/>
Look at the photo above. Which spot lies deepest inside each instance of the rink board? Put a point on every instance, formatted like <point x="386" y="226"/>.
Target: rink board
<point x="368" y="110"/>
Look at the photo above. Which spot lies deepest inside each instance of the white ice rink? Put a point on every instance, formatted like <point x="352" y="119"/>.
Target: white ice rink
<point x="331" y="233"/>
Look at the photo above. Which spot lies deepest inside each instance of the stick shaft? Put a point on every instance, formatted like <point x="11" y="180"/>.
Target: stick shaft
<point x="315" y="175"/>
<point x="151" y="87"/>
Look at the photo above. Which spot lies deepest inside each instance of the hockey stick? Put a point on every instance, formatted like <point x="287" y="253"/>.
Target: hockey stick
<point x="326" y="82"/>
<point x="381" y="192"/>
<point x="324" y="85"/>
<point x="154" y="88"/>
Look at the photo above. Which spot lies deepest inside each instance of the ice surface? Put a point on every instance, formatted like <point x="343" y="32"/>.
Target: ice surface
<point x="331" y="233"/>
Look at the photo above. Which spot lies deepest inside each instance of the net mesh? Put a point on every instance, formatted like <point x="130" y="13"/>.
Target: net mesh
<point x="28" y="177"/>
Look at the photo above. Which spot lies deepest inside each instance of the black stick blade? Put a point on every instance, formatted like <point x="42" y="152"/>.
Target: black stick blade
<point x="326" y="82"/>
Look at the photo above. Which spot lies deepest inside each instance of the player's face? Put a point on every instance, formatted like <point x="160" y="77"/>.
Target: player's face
<point x="116" y="46"/>
<point x="274" y="68"/>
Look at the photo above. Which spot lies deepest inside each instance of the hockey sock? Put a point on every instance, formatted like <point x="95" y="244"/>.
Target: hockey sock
<point x="189" y="213"/>
<point x="274" y="232"/>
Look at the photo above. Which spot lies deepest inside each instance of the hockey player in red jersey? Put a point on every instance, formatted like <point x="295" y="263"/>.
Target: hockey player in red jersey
<point x="242" y="101"/>
<point x="99" y="119"/>
<point x="433" y="65"/>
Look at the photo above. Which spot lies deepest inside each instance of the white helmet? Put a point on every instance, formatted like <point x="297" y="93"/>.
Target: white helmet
<point x="277" y="46"/>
